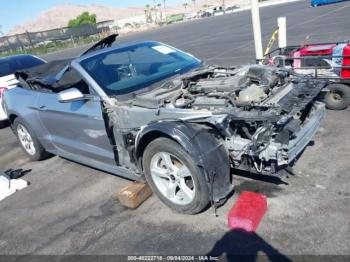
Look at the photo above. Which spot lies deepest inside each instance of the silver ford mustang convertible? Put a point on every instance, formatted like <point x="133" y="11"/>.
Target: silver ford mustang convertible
<point x="148" y="111"/>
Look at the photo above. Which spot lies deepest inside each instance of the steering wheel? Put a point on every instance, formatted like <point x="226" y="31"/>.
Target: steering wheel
<point x="126" y="71"/>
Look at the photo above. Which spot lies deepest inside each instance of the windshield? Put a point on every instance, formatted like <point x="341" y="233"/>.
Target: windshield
<point x="135" y="67"/>
<point x="10" y="65"/>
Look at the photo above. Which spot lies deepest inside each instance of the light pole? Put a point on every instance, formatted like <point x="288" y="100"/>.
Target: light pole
<point x="282" y="32"/>
<point x="256" y="29"/>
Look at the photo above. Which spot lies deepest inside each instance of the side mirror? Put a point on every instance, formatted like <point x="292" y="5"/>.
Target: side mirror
<point x="70" y="95"/>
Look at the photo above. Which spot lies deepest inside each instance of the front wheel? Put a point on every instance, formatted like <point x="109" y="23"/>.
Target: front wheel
<point x="338" y="97"/>
<point x="174" y="177"/>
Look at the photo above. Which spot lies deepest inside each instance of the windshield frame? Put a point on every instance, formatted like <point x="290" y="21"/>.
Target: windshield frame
<point x="148" y="85"/>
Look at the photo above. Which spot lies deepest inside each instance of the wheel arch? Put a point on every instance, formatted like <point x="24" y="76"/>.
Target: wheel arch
<point x="200" y="142"/>
<point x="338" y="83"/>
<point x="146" y="138"/>
<point x="12" y="117"/>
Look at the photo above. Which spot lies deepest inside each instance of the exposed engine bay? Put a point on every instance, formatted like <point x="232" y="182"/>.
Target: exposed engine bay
<point x="264" y="115"/>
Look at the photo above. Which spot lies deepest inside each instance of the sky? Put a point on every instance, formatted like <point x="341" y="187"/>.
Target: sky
<point x="13" y="12"/>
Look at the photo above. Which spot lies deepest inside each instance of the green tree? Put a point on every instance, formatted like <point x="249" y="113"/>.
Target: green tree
<point x="83" y="18"/>
<point x="185" y="5"/>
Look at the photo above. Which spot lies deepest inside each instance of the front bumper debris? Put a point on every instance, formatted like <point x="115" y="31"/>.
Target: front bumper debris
<point x="285" y="154"/>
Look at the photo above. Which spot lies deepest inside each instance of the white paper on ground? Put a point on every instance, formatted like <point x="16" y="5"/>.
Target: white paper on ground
<point x="9" y="186"/>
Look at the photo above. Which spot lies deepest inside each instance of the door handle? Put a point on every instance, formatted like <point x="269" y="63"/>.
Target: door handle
<point x="42" y="108"/>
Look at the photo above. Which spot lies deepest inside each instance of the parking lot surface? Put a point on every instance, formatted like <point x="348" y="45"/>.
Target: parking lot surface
<point x="72" y="209"/>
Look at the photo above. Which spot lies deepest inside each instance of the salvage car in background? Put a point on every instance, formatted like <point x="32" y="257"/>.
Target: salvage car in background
<point x="8" y="66"/>
<point x="150" y="111"/>
<point x="323" y="61"/>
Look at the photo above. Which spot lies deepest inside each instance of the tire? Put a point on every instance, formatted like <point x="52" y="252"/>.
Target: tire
<point x="30" y="143"/>
<point x="189" y="177"/>
<point x="338" y="97"/>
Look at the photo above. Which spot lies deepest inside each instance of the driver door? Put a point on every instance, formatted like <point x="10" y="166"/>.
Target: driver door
<point x="75" y="129"/>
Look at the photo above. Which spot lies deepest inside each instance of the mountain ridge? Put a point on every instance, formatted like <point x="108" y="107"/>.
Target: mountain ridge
<point x="58" y="16"/>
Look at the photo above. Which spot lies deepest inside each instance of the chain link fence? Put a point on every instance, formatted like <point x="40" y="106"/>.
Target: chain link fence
<point x="33" y="40"/>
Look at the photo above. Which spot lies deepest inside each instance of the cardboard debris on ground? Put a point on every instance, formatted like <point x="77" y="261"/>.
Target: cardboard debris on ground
<point x="134" y="195"/>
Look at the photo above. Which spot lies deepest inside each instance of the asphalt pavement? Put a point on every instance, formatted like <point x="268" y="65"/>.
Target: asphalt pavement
<point x="228" y="39"/>
<point x="72" y="209"/>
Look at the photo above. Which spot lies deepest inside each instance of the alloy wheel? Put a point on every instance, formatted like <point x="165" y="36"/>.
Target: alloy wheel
<point x="26" y="139"/>
<point x="172" y="178"/>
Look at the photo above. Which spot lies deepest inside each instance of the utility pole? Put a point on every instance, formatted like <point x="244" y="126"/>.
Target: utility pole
<point x="256" y="29"/>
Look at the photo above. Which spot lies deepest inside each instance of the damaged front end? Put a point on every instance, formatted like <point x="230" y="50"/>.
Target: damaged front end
<point x="270" y="115"/>
<point x="254" y="118"/>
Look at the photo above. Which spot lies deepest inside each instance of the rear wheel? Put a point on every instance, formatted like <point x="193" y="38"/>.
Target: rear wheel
<point x="28" y="141"/>
<point x="4" y="123"/>
<point x="338" y="97"/>
<point x="174" y="177"/>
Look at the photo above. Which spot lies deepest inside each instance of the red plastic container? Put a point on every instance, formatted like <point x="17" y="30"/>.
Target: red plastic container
<point x="247" y="212"/>
<point x="345" y="72"/>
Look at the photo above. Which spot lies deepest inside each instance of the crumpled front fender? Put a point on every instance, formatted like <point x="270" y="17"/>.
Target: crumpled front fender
<point x="202" y="143"/>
